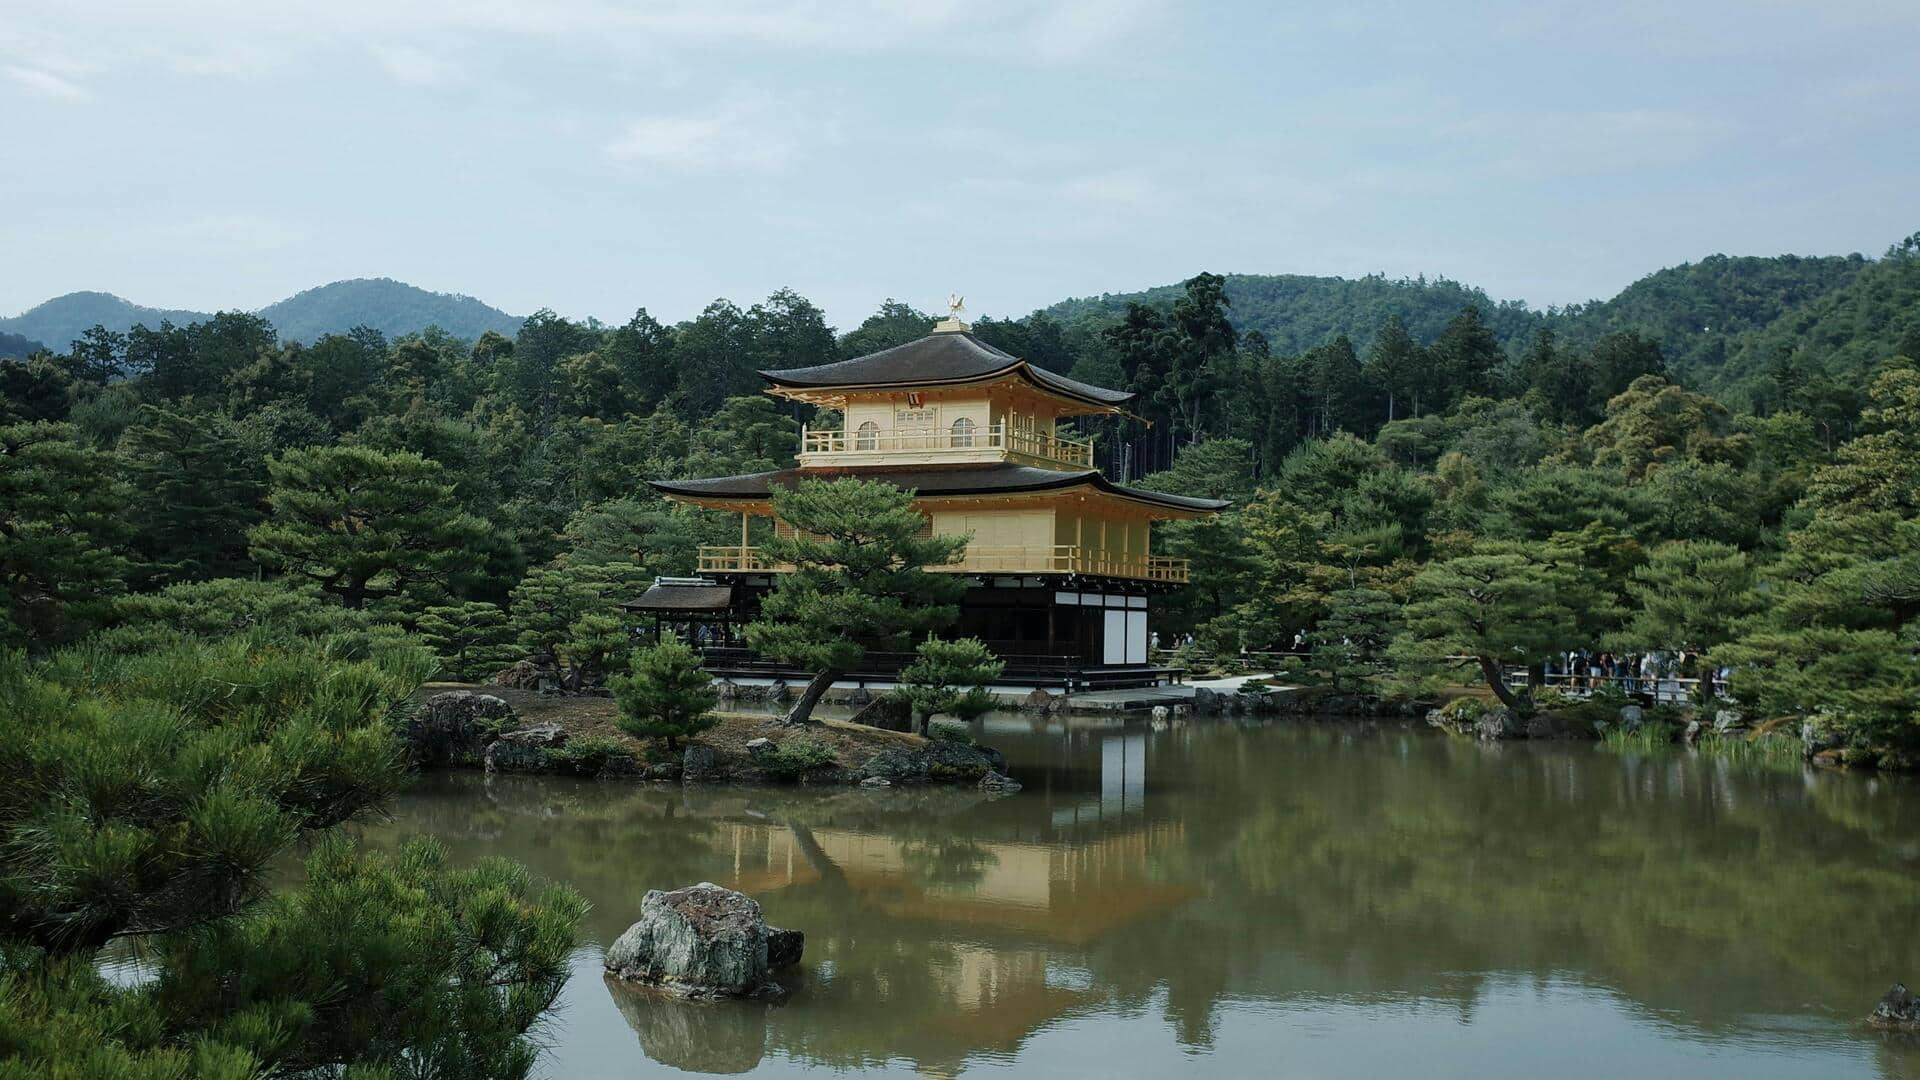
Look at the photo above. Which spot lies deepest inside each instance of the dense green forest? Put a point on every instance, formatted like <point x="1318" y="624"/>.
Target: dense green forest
<point x="485" y="494"/>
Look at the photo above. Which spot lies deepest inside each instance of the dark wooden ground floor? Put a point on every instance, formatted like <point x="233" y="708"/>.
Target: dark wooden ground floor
<point x="1056" y="632"/>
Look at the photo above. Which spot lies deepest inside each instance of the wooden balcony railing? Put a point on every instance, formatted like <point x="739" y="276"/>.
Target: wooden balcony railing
<point x="1057" y="559"/>
<point x="732" y="557"/>
<point x="1038" y="444"/>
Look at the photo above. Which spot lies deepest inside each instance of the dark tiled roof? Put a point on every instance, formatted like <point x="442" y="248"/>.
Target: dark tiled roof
<point x="940" y="357"/>
<point x="962" y="480"/>
<point x="683" y="598"/>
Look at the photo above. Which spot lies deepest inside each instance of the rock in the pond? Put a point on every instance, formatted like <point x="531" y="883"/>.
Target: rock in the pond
<point x="1498" y="722"/>
<point x="1206" y="701"/>
<point x="1691" y="733"/>
<point x="999" y="783"/>
<point x="702" y="941"/>
<point x="778" y="690"/>
<point x="1726" y="721"/>
<point x="525" y="750"/>
<point x="1899" y="1010"/>
<point x="1815" y="738"/>
<point x="454" y="728"/>
<point x="896" y="766"/>
<point x="1632" y="716"/>
<point x="1040" y="701"/>
<point x="726" y="690"/>
<point x="784" y="947"/>
<point x="666" y="770"/>
<point x="698" y="763"/>
<point x="876" y="781"/>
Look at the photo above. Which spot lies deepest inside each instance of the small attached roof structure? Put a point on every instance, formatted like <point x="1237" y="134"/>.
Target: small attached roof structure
<point x="683" y="595"/>
<point x="933" y="482"/>
<point x="946" y="357"/>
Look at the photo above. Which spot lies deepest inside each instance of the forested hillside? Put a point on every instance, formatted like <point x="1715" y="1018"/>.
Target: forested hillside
<point x="1295" y="312"/>
<point x="391" y="307"/>
<point x="1699" y="312"/>
<point x="1829" y="344"/>
<point x="18" y="347"/>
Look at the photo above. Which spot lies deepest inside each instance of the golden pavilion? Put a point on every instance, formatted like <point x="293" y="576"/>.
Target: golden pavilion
<point x="1061" y="565"/>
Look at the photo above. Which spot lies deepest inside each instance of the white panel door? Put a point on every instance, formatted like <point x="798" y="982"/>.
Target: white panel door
<point x="1113" y="640"/>
<point x="1136" y="637"/>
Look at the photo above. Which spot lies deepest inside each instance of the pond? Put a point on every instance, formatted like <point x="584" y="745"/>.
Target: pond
<point x="1282" y="900"/>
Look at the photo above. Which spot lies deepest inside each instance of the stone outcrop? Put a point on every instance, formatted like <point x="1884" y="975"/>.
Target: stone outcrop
<point x="525" y="749"/>
<point x="699" y="763"/>
<point x="454" y="728"/>
<point x="1816" y="739"/>
<point x="1041" y="701"/>
<point x="703" y="942"/>
<point x="521" y="675"/>
<point x="1899" y="1010"/>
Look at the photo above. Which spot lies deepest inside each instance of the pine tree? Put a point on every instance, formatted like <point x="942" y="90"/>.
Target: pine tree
<point x="949" y="677"/>
<point x="62" y="523"/>
<point x="666" y="693"/>
<point x="566" y="613"/>
<point x="1396" y="366"/>
<point x="472" y="639"/>
<point x="859" y="580"/>
<point x="194" y="492"/>
<point x="151" y="794"/>
<point x="362" y="524"/>
<point x="1502" y="603"/>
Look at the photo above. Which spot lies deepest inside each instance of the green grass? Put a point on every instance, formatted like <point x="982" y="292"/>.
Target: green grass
<point x="1652" y="737"/>
<point x="1771" y="750"/>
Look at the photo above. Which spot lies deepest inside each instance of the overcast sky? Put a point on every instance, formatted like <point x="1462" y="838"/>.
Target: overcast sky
<point x="595" y="156"/>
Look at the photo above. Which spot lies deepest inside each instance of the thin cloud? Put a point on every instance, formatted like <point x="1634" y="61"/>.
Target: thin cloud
<point x="43" y="83"/>
<point x="411" y="65"/>
<point x="740" y="135"/>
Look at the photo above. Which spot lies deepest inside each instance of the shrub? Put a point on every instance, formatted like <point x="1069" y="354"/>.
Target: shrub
<point x="667" y="694"/>
<point x="954" y="733"/>
<point x="589" y="755"/>
<point x="796" y="757"/>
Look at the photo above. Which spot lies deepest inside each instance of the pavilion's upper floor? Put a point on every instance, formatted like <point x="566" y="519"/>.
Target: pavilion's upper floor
<point x="944" y="399"/>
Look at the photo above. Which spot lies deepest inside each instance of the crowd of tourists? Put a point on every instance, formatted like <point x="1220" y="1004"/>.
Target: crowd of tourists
<point x="1662" y="674"/>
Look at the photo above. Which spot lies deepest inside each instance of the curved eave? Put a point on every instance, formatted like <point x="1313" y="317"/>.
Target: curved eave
<point x="1109" y="401"/>
<point x="1178" y="506"/>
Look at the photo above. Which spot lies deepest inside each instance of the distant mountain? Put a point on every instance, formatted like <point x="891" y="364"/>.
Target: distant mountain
<point x="14" y="346"/>
<point x="62" y="319"/>
<point x="1699" y="311"/>
<point x="392" y="307"/>
<point x="1297" y="312"/>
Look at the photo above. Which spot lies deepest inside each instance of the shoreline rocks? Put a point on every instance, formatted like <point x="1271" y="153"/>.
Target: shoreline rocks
<point x="465" y="729"/>
<point x="1898" y="1010"/>
<point x="704" y="942"/>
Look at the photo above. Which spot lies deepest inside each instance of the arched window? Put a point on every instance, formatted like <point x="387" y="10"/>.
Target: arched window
<point x="867" y="437"/>
<point x="962" y="432"/>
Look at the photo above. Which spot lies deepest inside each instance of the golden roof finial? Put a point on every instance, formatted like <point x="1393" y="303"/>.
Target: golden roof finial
<point x="951" y="324"/>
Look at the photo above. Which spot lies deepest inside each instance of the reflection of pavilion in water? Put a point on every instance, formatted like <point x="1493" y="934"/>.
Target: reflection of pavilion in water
<point x="1005" y="921"/>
